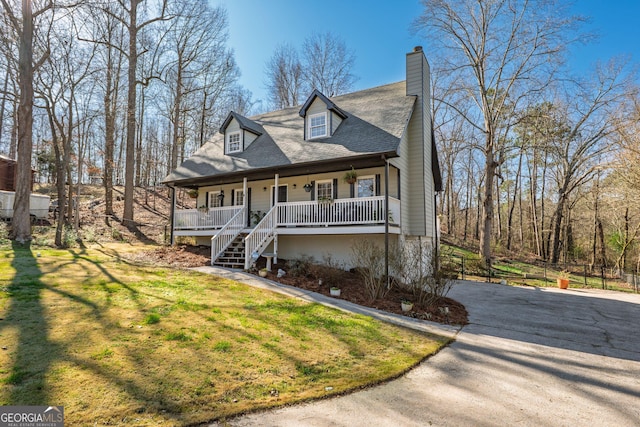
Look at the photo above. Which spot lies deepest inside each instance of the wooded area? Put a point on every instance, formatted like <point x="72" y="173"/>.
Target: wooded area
<point x="534" y="159"/>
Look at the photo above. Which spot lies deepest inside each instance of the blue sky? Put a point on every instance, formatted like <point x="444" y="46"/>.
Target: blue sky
<point x="379" y="33"/>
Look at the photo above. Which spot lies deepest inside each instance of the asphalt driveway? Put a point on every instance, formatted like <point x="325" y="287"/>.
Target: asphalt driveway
<point x="529" y="357"/>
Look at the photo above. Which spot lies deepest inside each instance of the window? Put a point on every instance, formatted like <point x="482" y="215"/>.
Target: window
<point x="324" y="190"/>
<point x="239" y="195"/>
<point x="366" y="186"/>
<point x="318" y="125"/>
<point x="233" y="142"/>
<point x="215" y="201"/>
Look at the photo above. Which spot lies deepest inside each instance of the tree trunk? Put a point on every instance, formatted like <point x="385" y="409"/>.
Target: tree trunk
<point x="139" y="140"/>
<point x="21" y="227"/>
<point x="487" y="203"/>
<point x="129" y="167"/>
<point x="513" y="203"/>
<point x="109" y="142"/>
<point x="557" y="228"/>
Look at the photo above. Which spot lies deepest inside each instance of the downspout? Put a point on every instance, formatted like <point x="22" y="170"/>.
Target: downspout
<point x="386" y="221"/>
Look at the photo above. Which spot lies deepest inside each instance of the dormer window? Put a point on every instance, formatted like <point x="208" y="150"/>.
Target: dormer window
<point x="317" y="125"/>
<point x="321" y="116"/>
<point x="233" y="142"/>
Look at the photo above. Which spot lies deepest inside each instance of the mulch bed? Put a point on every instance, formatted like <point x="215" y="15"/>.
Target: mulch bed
<point x="351" y="289"/>
<point x="350" y="284"/>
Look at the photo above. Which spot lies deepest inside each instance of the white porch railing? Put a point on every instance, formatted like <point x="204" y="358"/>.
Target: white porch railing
<point x="194" y="219"/>
<point x="260" y="236"/>
<point x="364" y="210"/>
<point x="223" y="238"/>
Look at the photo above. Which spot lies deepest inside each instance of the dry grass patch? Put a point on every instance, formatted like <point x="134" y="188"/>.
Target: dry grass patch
<point x="115" y="342"/>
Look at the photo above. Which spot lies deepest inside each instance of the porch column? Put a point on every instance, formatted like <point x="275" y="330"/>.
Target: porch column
<point x="173" y="214"/>
<point x="275" y="190"/>
<point x="244" y="200"/>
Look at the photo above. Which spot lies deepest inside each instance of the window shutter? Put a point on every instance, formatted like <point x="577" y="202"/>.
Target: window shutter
<point x="233" y="198"/>
<point x="352" y="190"/>
<point x="221" y="202"/>
<point x="313" y="190"/>
<point x="206" y="199"/>
<point x="399" y="184"/>
<point x="335" y="188"/>
<point x="377" y="184"/>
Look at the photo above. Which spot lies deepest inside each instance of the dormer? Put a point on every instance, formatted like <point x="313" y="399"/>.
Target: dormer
<point x="239" y="132"/>
<point x="321" y="116"/>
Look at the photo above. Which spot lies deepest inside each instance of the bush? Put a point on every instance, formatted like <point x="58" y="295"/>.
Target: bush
<point x="300" y="267"/>
<point x="420" y="271"/>
<point x="69" y="237"/>
<point x="4" y="231"/>
<point x="370" y="264"/>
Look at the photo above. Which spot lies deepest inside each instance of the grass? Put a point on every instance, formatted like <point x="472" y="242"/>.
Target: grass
<point x="517" y="272"/>
<point x="120" y="343"/>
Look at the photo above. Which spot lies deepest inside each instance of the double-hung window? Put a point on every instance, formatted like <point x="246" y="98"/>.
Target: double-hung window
<point x="239" y="201"/>
<point x="215" y="199"/>
<point x="317" y="125"/>
<point x="366" y="186"/>
<point x="324" y="190"/>
<point x="233" y="142"/>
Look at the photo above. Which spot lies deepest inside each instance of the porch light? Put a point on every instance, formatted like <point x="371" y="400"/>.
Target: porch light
<point x="221" y="195"/>
<point x="307" y="187"/>
<point x="295" y="185"/>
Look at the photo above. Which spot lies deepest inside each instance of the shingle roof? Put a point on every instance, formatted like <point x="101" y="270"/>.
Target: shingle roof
<point x="244" y="123"/>
<point x="376" y="119"/>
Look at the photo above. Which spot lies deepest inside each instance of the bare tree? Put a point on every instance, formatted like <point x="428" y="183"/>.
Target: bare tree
<point x="133" y="28"/>
<point x="284" y="77"/>
<point x="589" y="116"/>
<point x="110" y="36"/>
<point x="197" y="60"/>
<point x="327" y="64"/>
<point x="59" y="84"/>
<point x="495" y="53"/>
<point x="24" y="27"/>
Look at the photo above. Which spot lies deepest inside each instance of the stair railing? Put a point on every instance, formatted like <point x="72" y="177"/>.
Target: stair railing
<point x="259" y="237"/>
<point x="227" y="234"/>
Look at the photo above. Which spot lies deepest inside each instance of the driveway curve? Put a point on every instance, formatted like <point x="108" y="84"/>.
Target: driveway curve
<point x="529" y="357"/>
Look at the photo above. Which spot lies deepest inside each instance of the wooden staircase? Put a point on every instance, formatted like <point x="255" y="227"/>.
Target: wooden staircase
<point x="233" y="256"/>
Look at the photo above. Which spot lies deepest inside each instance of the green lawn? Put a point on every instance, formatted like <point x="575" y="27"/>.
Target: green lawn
<point x="517" y="272"/>
<point x="119" y="343"/>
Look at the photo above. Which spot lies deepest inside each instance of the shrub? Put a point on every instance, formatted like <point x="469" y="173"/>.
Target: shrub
<point x="300" y="267"/>
<point x="69" y="237"/>
<point x="4" y="231"/>
<point x="369" y="261"/>
<point x="420" y="271"/>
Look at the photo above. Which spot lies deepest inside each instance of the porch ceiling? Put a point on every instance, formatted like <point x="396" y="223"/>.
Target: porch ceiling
<point x="332" y="165"/>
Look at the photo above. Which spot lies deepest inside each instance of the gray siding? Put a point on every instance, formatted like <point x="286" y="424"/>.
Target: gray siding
<point x="419" y="209"/>
<point x="249" y="137"/>
<point x="335" y="121"/>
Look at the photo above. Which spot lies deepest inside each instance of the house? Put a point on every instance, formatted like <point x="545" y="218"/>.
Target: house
<point x="276" y="183"/>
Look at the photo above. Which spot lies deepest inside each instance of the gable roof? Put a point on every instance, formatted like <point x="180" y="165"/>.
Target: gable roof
<point x="330" y="105"/>
<point x="374" y="123"/>
<point x="245" y="124"/>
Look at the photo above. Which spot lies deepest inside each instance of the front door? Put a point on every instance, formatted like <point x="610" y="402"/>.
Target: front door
<point x="282" y="194"/>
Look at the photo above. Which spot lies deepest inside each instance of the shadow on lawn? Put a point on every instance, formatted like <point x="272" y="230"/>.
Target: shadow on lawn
<point x="35" y="353"/>
<point x="29" y="324"/>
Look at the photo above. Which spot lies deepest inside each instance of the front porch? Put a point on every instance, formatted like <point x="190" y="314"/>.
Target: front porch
<point x="339" y="216"/>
